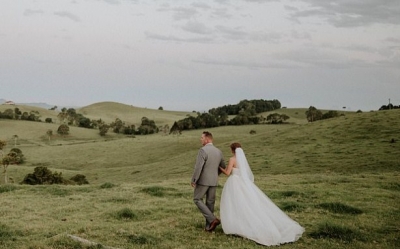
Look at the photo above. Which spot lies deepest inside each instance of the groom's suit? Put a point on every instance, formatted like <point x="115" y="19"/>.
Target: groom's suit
<point x="205" y="178"/>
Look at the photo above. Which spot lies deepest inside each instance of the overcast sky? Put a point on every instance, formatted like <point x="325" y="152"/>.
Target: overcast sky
<point x="189" y="55"/>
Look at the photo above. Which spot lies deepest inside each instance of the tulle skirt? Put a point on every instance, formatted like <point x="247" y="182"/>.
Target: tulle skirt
<point x="246" y="211"/>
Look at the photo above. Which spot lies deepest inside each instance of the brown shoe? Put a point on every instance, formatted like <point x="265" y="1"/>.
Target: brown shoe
<point x="213" y="225"/>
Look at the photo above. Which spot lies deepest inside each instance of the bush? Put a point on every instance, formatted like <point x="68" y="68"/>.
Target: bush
<point x="79" y="179"/>
<point x="48" y="120"/>
<point x="16" y="156"/>
<point x="63" y="129"/>
<point x="42" y="175"/>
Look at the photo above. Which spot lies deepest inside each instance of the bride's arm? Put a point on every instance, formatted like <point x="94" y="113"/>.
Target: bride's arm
<point x="227" y="171"/>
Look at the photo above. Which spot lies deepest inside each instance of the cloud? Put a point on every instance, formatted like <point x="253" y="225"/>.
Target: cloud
<point x="392" y="40"/>
<point x="197" y="28"/>
<point x="221" y="13"/>
<point x="29" y="12"/>
<point x="231" y="33"/>
<point x="350" y="13"/>
<point x="260" y="1"/>
<point x="320" y="58"/>
<point x="201" y="6"/>
<point x="68" y="15"/>
<point x="154" y="36"/>
<point x="114" y="2"/>
<point x="242" y="64"/>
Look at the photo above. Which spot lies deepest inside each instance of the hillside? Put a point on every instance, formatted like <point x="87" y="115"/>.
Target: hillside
<point x="351" y="161"/>
<point x="109" y="111"/>
<point x="348" y="143"/>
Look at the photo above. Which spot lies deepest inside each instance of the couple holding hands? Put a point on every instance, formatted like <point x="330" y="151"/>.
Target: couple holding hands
<point x="245" y="210"/>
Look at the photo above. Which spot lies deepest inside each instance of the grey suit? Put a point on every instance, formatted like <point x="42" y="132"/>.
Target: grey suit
<point x="205" y="176"/>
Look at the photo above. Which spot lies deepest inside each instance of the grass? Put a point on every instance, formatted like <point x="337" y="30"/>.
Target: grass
<point x="337" y="207"/>
<point x="338" y="178"/>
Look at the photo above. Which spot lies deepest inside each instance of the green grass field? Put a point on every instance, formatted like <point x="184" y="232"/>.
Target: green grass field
<point x="339" y="178"/>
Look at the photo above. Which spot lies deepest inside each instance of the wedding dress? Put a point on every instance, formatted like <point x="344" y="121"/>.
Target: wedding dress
<point x="246" y="211"/>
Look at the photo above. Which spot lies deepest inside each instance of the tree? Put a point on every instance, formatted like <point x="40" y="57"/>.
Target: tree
<point x="62" y="115"/>
<point x="8" y="114"/>
<point x="17" y="113"/>
<point x="49" y="133"/>
<point x="103" y="128"/>
<point x="15" y="140"/>
<point x="160" y="108"/>
<point x="147" y="127"/>
<point x="117" y="125"/>
<point x="313" y="114"/>
<point x="175" y="129"/>
<point x="5" y="162"/>
<point x="165" y="129"/>
<point x="2" y="145"/>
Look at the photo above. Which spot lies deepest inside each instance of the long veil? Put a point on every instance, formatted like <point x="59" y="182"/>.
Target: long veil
<point x="243" y="165"/>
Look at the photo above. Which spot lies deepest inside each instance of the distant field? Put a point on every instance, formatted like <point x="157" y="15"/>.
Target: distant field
<point x="109" y="111"/>
<point x="339" y="178"/>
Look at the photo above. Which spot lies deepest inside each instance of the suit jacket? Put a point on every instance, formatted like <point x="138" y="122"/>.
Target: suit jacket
<point x="206" y="169"/>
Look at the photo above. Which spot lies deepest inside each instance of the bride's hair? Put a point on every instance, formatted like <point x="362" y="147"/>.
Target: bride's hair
<point x="234" y="146"/>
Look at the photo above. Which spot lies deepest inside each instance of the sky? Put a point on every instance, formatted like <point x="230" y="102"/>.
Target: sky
<point x="186" y="55"/>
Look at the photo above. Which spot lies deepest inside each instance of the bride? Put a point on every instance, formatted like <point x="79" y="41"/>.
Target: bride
<point x="246" y="211"/>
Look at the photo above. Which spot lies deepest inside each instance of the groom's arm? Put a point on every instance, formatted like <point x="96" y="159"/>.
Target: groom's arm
<point x="221" y="164"/>
<point x="198" y="167"/>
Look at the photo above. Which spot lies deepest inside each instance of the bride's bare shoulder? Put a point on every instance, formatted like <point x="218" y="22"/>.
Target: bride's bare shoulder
<point x="232" y="161"/>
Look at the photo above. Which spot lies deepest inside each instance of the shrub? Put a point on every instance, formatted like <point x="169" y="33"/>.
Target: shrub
<point x="79" y="179"/>
<point x="63" y="129"/>
<point x="15" y="156"/>
<point x="42" y="175"/>
<point x="48" y="120"/>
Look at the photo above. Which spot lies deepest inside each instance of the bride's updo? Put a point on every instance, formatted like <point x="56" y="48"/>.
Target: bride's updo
<point x="234" y="146"/>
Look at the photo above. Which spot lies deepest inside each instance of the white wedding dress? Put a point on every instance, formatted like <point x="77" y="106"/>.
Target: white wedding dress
<point x="246" y="211"/>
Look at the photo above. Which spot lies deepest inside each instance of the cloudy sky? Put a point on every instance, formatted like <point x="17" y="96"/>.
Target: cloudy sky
<point x="189" y="55"/>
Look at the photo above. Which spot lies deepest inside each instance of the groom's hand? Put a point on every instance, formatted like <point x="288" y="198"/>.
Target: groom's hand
<point x="193" y="184"/>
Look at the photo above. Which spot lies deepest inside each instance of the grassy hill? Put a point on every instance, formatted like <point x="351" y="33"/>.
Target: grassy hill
<point x="109" y="111"/>
<point x="139" y="194"/>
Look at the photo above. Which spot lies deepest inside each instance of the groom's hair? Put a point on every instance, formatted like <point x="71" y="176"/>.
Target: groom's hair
<point x="208" y="134"/>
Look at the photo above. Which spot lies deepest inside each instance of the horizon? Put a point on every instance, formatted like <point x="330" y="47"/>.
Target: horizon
<point x="59" y="107"/>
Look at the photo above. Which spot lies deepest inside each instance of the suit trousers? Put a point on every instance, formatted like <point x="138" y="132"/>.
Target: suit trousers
<point x="207" y="209"/>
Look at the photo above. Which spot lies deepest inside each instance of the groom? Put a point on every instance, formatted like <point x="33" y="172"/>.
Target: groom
<point x="205" y="179"/>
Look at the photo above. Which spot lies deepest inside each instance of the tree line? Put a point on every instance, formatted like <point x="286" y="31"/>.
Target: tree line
<point x="70" y="117"/>
<point x="245" y="112"/>
<point x="389" y="107"/>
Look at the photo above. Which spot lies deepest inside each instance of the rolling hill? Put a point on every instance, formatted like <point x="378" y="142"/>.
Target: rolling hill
<point x="351" y="161"/>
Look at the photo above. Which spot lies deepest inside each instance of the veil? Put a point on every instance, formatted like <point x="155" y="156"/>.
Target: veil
<point x="243" y="165"/>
